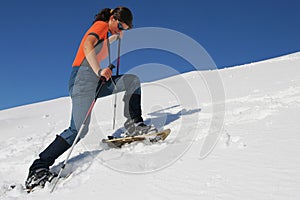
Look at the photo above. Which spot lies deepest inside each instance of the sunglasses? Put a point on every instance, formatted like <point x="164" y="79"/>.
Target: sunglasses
<point x="120" y="26"/>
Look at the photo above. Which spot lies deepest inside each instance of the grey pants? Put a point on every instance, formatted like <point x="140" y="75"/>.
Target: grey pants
<point x="82" y="88"/>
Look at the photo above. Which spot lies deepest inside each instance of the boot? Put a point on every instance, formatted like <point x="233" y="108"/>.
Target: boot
<point x="136" y="127"/>
<point x="39" y="178"/>
<point x="39" y="170"/>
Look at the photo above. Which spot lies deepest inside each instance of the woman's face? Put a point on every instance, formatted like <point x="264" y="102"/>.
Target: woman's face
<point x="115" y="26"/>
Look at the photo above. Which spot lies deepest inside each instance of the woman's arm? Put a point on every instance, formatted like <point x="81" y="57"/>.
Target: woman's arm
<point x="90" y="54"/>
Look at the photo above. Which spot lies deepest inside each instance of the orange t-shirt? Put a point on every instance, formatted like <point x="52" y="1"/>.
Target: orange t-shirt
<point x="99" y="29"/>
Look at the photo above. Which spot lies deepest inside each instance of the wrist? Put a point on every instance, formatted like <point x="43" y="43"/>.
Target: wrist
<point x="99" y="72"/>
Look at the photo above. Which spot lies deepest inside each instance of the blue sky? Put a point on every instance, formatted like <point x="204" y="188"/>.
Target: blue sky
<point x="40" y="38"/>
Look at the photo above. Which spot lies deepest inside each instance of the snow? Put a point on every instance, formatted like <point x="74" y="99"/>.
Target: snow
<point x="256" y="155"/>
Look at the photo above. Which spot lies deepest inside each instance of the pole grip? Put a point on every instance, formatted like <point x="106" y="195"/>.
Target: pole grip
<point x="111" y="67"/>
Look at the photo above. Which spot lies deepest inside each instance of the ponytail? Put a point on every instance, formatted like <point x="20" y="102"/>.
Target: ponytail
<point x="103" y="15"/>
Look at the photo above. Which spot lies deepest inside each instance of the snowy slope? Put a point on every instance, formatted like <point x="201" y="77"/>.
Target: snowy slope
<point x="256" y="157"/>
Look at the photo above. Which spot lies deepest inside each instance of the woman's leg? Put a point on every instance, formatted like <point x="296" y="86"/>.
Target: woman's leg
<point x="82" y="94"/>
<point x="132" y="103"/>
<point x="132" y="99"/>
<point x="82" y="86"/>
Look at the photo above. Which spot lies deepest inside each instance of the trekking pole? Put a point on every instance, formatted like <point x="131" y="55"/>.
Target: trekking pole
<point x="102" y="82"/>
<point x="118" y="66"/>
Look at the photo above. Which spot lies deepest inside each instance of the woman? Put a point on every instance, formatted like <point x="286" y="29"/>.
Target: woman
<point x="83" y="82"/>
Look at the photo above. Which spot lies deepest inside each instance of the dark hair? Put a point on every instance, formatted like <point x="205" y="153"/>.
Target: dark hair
<point x="120" y="13"/>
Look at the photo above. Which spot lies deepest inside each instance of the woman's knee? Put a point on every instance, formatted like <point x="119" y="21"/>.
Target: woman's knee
<point x="69" y="135"/>
<point x="132" y="83"/>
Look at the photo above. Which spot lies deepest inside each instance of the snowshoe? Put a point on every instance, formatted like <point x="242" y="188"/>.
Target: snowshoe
<point x="38" y="178"/>
<point x="114" y="142"/>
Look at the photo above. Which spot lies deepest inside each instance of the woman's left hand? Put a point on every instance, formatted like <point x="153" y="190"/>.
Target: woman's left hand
<point x="107" y="73"/>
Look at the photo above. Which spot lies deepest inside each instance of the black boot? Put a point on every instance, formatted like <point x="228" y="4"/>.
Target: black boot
<point x="39" y="170"/>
